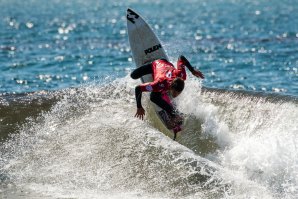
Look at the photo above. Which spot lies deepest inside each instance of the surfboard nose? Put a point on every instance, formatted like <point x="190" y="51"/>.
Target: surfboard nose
<point x="129" y="11"/>
<point x="132" y="16"/>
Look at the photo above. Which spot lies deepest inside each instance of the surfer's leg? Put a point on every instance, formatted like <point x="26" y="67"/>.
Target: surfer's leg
<point x="141" y="71"/>
<point x="156" y="97"/>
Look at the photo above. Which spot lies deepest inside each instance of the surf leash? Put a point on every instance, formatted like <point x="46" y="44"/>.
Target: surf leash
<point x="175" y="136"/>
<point x="176" y="130"/>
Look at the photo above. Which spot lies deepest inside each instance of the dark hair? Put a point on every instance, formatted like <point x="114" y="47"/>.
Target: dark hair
<point x="178" y="84"/>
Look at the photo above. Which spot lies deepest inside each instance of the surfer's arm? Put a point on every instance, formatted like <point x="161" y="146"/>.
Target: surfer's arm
<point x="140" y="110"/>
<point x="198" y="73"/>
<point x="182" y="63"/>
<point x="138" y="92"/>
<point x="147" y="87"/>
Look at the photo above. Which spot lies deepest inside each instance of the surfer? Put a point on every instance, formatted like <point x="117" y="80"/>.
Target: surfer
<point x="166" y="78"/>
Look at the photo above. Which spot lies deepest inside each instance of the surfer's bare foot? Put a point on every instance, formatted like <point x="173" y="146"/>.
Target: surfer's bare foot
<point x="177" y="119"/>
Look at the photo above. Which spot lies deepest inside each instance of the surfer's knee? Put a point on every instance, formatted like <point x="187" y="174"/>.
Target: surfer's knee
<point x="133" y="75"/>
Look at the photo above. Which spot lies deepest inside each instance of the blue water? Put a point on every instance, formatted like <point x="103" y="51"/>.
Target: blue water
<point x="238" y="45"/>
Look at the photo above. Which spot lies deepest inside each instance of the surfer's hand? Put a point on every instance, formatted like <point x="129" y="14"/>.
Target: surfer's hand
<point x="140" y="113"/>
<point x="198" y="73"/>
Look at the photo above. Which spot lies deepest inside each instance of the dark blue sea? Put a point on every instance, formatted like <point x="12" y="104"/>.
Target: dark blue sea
<point x="67" y="105"/>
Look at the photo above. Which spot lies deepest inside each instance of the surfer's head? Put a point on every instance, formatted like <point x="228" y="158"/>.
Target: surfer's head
<point x="177" y="87"/>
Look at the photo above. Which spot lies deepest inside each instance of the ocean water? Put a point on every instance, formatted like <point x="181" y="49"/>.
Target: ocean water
<point x="67" y="104"/>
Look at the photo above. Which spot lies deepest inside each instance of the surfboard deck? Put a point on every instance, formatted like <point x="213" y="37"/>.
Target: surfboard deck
<point x="145" y="48"/>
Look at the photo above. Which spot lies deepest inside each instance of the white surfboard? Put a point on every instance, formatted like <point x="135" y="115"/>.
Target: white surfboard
<point x="145" y="47"/>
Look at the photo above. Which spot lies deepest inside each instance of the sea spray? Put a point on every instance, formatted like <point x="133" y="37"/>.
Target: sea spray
<point x="263" y="130"/>
<point x="89" y="145"/>
<point x="90" y="142"/>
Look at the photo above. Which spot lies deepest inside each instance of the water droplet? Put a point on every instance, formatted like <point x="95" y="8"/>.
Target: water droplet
<point x="170" y="26"/>
<point x="85" y="78"/>
<point x="122" y="32"/>
<point x="59" y="58"/>
<point x="29" y="25"/>
<point x="230" y="47"/>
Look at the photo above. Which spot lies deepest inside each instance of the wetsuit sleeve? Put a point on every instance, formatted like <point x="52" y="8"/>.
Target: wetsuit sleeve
<point x="180" y="72"/>
<point x="189" y="67"/>
<point x="182" y="63"/>
<point x="138" y="96"/>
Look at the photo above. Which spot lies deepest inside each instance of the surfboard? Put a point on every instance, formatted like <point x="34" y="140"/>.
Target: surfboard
<point x="146" y="47"/>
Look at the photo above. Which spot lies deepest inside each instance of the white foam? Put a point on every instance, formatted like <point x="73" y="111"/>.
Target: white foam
<point x="91" y="143"/>
<point x="192" y="102"/>
<point x="90" y="146"/>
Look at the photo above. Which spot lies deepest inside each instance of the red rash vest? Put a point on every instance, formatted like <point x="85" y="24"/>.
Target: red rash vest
<point x="164" y="73"/>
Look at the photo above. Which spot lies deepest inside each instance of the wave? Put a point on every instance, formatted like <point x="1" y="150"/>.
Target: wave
<point x="85" y="143"/>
